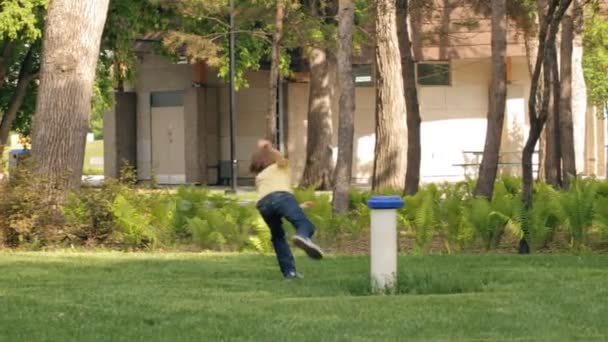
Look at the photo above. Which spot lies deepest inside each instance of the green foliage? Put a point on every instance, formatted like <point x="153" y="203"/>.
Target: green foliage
<point x="577" y="211"/>
<point x="29" y="217"/>
<point x="135" y="228"/>
<point x="595" y="56"/>
<point x="540" y="223"/>
<point x="128" y="20"/>
<point x="19" y="19"/>
<point x="103" y="98"/>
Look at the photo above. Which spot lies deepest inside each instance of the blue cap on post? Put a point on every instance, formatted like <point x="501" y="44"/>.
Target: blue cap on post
<point x="385" y="202"/>
<point x="19" y="151"/>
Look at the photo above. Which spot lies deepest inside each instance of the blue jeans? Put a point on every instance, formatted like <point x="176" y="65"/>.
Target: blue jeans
<point x="273" y="208"/>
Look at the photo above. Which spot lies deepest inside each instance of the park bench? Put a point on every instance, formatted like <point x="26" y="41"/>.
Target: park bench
<point x="504" y="162"/>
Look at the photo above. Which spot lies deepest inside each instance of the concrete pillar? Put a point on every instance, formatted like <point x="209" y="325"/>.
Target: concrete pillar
<point x="144" y="136"/>
<point x="383" y="242"/>
<point x="120" y="142"/>
<point x="589" y="166"/>
<point x="195" y="123"/>
<point x="601" y="146"/>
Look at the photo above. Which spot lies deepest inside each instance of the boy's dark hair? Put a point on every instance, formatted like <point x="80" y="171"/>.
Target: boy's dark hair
<point x="264" y="157"/>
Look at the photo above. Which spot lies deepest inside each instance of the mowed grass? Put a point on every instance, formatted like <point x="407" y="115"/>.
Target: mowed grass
<point x="223" y="297"/>
<point x="94" y="149"/>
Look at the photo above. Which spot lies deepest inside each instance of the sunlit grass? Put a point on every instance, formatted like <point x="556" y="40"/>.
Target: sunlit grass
<point x="115" y="296"/>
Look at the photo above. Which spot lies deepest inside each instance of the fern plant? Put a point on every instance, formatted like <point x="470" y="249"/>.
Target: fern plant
<point x="454" y="228"/>
<point x="540" y="222"/>
<point x="135" y="226"/>
<point x="420" y="215"/>
<point x="489" y="219"/>
<point x="577" y="211"/>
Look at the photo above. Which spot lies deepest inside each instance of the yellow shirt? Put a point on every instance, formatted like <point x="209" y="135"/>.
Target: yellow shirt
<point x="273" y="179"/>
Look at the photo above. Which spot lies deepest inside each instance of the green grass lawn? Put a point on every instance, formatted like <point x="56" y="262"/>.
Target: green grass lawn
<point x="214" y="297"/>
<point x="93" y="149"/>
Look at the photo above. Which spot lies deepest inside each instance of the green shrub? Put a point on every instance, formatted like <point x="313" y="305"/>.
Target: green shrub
<point x="541" y="222"/>
<point x="454" y="229"/>
<point x="29" y="213"/>
<point x="577" y="211"/>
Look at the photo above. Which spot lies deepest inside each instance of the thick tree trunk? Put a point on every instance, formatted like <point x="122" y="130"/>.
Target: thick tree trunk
<point x="553" y="173"/>
<point x="5" y="59"/>
<point x="25" y="77"/>
<point x="412" y="175"/>
<point x="271" y="116"/>
<point x="319" y="162"/>
<point x="390" y="159"/>
<point x="498" y="98"/>
<point x="346" y="127"/>
<point x="69" y="58"/>
<point x="565" y="103"/>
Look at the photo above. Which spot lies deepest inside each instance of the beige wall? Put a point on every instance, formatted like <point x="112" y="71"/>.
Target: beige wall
<point x="453" y="121"/>
<point x="453" y="117"/>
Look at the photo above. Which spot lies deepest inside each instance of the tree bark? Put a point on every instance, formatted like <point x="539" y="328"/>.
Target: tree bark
<point x="553" y="173"/>
<point x="271" y="116"/>
<point x="565" y="103"/>
<point x="414" y="149"/>
<point x="346" y="128"/>
<point x="25" y="77"/>
<point x="498" y="98"/>
<point x="579" y="88"/>
<point x="319" y="162"/>
<point x="5" y="59"/>
<point x="391" y="131"/>
<point x="69" y="58"/>
<point x="546" y="37"/>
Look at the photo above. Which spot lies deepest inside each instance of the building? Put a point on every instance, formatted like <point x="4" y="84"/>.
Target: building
<point x="173" y="122"/>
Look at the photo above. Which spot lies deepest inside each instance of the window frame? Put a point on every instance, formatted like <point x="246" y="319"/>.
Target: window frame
<point x="443" y="62"/>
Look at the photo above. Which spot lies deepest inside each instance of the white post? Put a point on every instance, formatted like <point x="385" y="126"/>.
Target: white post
<point x="383" y="253"/>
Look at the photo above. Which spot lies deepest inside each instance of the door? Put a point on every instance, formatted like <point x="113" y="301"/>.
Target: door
<point x="168" y="145"/>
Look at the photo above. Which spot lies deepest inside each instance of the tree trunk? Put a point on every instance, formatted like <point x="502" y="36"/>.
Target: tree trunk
<point x="346" y="128"/>
<point x="565" y="103"/>
<point x="69" y="58"/>
<point x="579" y="88"/>
<point x="412" y="175"/>
<point x="546" y="37"/>
<point x="25" y="77"/>
<point x="553" y="174"/>
<point x="5" y="59"/>
<point x="391" y="131"/>
<point x="498" y="98"/>
<point x="319" y="162"/>
<point x="271" y="116"/>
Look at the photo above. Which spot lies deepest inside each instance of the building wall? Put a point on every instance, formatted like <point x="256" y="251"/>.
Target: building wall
<point x="453" y="118"/>
<point x="453" y="121"/>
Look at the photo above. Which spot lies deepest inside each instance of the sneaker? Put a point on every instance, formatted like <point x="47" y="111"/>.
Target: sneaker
<point x="308" y="246"/>
<point x="293" y="275"/>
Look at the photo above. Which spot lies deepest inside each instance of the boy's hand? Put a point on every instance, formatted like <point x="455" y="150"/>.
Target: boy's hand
<point x="308" y="204"/>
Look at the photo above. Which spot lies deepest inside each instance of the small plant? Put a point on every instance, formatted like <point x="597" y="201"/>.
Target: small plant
<point x="30" y="213"/>
<point x="577" y="211"/>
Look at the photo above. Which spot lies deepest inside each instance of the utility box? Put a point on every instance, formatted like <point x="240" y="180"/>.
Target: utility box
<point x="16" y="157"/>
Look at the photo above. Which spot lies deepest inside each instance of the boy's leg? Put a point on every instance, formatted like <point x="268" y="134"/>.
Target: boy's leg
<point x="291" y="210"/>
<point x="304" y="228"/>
<point x="279" y="242"/>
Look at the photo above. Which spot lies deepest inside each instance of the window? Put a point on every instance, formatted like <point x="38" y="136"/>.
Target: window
<point x="433" y="74"/>
<point x="363" y="75"/>
<point x="166" y="99"/>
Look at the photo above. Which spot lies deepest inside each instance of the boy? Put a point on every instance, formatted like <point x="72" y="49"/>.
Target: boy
<point x="276" y="201"/>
